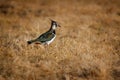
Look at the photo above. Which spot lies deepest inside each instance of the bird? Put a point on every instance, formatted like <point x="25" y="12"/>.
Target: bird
<point x="47" y="37"/>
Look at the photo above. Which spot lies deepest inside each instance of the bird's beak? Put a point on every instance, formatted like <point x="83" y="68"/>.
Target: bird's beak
<point x="59" y="25"/>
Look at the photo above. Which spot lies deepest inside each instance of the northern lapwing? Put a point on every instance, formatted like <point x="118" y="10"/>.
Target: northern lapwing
<point x="47" y="37"/>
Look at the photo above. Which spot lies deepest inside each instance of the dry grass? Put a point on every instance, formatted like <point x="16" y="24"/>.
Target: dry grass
<point x="87" y="46"/>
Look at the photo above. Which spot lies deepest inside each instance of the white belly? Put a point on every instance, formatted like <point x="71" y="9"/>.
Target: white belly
<point x="48" y="42"/>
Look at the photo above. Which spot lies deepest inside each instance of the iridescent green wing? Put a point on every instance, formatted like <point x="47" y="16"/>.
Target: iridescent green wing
<point x="46" y="37"/>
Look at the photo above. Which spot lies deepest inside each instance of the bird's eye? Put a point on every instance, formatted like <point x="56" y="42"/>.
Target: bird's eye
<point x="54" y="24"/>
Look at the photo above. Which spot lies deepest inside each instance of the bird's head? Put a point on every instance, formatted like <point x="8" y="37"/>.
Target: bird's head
<point x="54" y="24"/>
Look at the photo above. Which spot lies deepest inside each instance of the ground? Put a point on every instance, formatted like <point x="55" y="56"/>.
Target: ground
<point x="87" y="46"/>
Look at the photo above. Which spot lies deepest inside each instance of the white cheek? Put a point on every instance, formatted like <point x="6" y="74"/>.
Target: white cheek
<point x="54" y="27"/>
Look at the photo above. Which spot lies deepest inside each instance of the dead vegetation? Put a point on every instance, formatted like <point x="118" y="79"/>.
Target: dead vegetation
<point x="87" y="46"/>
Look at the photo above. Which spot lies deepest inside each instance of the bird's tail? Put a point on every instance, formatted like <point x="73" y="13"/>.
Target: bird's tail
<point x="31" y="41"/>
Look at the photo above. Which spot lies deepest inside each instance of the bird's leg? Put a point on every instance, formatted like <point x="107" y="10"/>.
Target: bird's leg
<point x="46" y="47"/>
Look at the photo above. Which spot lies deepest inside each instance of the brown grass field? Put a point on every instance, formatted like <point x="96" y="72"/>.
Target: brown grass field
<point x="87" y="46"/>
